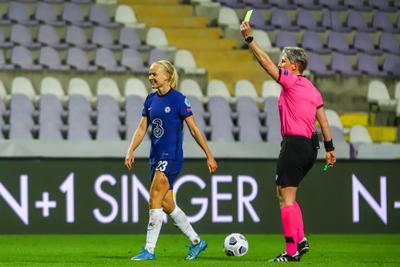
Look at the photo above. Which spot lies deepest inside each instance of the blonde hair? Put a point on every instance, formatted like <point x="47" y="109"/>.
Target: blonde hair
<point x="171" y="70"/>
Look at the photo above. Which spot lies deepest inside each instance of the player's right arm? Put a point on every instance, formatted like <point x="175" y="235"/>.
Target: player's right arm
<point x="263" y="59"/>
<point x="137" y="138"/>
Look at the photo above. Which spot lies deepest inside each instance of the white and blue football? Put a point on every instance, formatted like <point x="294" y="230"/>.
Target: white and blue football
<point x="236" y="244"/>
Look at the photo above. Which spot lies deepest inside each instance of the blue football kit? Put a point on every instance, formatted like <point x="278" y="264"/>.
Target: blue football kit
<point x="166" y="114"/>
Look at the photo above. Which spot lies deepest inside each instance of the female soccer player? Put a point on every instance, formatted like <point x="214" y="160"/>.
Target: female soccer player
<point x="165" y="110"/>
<point x="300" y="103"/>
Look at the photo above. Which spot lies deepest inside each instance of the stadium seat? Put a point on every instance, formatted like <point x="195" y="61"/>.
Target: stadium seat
<point x="21" y="35"/>
<point x="359" y="135"/>
<point x="311" y="41"/>
<point x="99" y="15"/>
<point x="125" y="15"/>
<point x="47" y="35"/>
<point x="356" y="22"/>
<point x="333" y="119"/>
<point x="270" y="88"/>
<point x="363" y="42"/>
<point x="357" y="5"/>
<point x="341" y="64"/>
<point x="129" y="38"/>
<point x="258" y="22"/>
<point x="260" y="4"/>
<point x="75" y="36"/>
<point x="337" y="42"/>
<point x="332" y="21"/>
<point x="156" y="55"/>
<point x="22" y="85"/>
<point x="133" y="109"/>
<point x="389" y="43"/>
<point x="264" y="41"/>
<point x="190" y="87"/>
<point x="46" y="14"/>
<point x="135" y="86"/>
<point x="51" y="85"/>
<point x="105" y="60"/>
<point x="227" y="18"/>
<point x="156" y="38"/>
<point x="185" y="61"/>
<point x="307" y="4"/>
<point x="108" y="86"/>
<point x="283" y="4"/>
<point x="245" y="88"/>
<point x="280" y="20"/>
<point x="381" y="22"/>
<point x="218" y="88"/>
<point x="307" y="21"/>
<point x="382" y="5"/>
<point x="102" y="37"/>
<point x="391" y="64"/>
<point x="366" y="64"/>
<point x="272" y="120"/>
<point x="220" y="120"/>
<point x="378" y="95"/>
<point x="285" y="38"/>
<point x="132" y="60"/>
<point x="49" y="58"/>
<point x="19" y="15"/>
<point x="72" y="14"/>
<point x="22" y="58"/>
<point x="77" y="59"/>
<point x="4" y="43"/>
<point x="78" y="86"/>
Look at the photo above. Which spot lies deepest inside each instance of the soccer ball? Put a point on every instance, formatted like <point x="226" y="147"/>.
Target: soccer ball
<point x="236" y="245"/>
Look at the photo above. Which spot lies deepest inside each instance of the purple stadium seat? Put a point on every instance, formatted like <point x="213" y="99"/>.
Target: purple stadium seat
<point x="366" y="64"/>
<point x="306" y="20"/>
<point x="132" y="60"/>
<point x="50" y="109"/>
<point x="21" y="35"/>
<point x="102" y="38"/>
<point x="156" y="55"/>
<point x="280" y="20"/>
<point x="49" y="58"/>
<point x="357" y="5"/>
<point x="77" y="59"/>
<point x="356" y="21"/>
<point x="99" y="15"/>
<point x="312" y="41"/>
<point x="337" y="42"/>
<point x="129" y="38"/>
<point x="3" y="64"/>
<point x="257" y="21"/>
<point x="381" y="21"/>
<point x="72" y="14"/>
<point x="331" y="20"/>
<point x="18" y="14"/>
<point x="391" y="64"/>
<point x="105" y="60"/>
<point x="45" y="13"/>
<point x="284" y="38"/>
<point x="341" y="64"/>
<point x="48" y="35"/>
<point x="389" y="43"/>
<point x="363" y="42"/>
<point x="22" y="58"/>
<point x="76" y="36"/>
<point x="317" y="65"/>
<point x="50" y="131"/>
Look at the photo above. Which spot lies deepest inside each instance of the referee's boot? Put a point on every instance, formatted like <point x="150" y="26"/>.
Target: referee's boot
<point x="144" y="255"/>
<point x="284" y="257"/>
<point x="303" y="246"/>
<point x="196" y="249"/>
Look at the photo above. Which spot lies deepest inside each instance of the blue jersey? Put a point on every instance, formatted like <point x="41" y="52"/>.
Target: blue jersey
<point x="166" y="114"/>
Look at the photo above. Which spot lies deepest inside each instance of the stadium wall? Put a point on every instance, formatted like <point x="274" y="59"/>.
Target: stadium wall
<point x="96" y="194"/>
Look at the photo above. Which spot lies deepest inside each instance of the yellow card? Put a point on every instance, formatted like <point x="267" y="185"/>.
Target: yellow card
<point x="248" y="15"/>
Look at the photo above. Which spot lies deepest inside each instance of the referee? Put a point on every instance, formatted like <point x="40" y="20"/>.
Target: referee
<point x="300" y="103"/>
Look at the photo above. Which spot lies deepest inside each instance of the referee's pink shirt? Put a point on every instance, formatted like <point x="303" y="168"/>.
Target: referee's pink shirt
<point x="298" y="104"/>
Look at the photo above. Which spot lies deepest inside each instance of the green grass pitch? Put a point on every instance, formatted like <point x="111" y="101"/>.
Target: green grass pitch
<point x="116" y="250"/>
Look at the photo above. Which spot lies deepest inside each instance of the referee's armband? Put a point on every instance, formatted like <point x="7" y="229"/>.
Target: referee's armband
<point x="329" y="146"/>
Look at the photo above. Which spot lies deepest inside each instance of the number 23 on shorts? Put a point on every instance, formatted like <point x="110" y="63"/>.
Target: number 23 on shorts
<point x="161" y="165"/>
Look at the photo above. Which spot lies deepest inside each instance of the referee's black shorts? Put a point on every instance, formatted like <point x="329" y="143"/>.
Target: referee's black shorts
<point x="296" y="158"/>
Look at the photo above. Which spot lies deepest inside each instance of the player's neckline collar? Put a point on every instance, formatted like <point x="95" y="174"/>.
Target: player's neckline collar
<point x="164" y="94"/>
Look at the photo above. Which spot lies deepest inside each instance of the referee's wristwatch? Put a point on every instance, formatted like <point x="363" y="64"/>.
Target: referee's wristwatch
<point x="249" y="39"/>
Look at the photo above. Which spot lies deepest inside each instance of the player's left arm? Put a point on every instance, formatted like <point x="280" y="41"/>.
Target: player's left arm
<point x="323" y="122"/>
<point x="201" y="140"/>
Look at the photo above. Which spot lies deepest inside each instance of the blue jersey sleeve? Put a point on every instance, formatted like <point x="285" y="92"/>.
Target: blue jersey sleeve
<point x="145" y="111"/>
<point x="185" y="109"/>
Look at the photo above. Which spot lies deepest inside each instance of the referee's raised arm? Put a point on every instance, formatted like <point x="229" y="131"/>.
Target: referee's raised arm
<point x="262" y="57"/>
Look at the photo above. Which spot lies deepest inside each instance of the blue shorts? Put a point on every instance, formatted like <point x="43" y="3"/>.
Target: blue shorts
<point x="170" y="168"/>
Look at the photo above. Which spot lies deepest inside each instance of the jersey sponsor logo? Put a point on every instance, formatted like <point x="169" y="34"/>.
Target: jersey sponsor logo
<point x="158" y="130"/>
<point x="187" y="102"/>
<point x="167" y="109"/>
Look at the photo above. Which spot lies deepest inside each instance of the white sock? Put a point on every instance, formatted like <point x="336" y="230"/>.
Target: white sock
<point x="181" y="221"/>
<point x="153" y="228"/>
